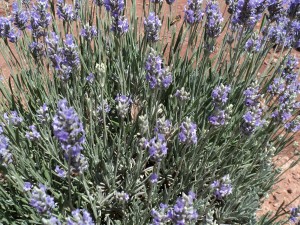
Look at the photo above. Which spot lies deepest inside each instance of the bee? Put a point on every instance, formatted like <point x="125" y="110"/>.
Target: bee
<point x="175" y="20"/>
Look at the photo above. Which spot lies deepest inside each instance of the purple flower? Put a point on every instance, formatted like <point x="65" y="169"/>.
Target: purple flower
<point x="40" y="18"/>
<point x="123" y="104"/>
<point x="214" y="19"/>
<point x="157" y="147"/>
<point x="252" y="95"/>
<point x="279" y="32"/>
<point x="252" y="120"/>
<point x="253" y="44"/>
<point x="119" y="22"/>
<point x="66" y="11"/>
<point x="90" y="78"/>
<point x="276" y="9"/>
<point x="220" y="94"/>
<point x="80" y="216"/>
<point x="7" y="31"/>
<point x="68" y="129"/>
<point x="183" y="211"/>
<point x="193" y="11"/>
<point x="163" y="126"/>
<point x="293" y="10"/>
<point x="277" y="86"/>
<point x="295" y="30"/>
<point x="295" y="214"/>
<point x="5" y="155"/>
<point x="41" y="201"/>
<point x="33" y="134"/>
<point x="152" y="27"/>
<point x="36" y="49"/>
<point x="43" y="113"/>
<point x="160" y="216"/>
<point x="13" y="118"/>
<point x="60" y="172"/>
<point x="120" y="25"/>
<point x="20" y="17"/>
<point x="153" y="178"/>
<point x="220" y="117"/>
<point x="289" y="72"/>
<point x="88" y="32"/>
<point x="222" y="188"/>
<point x="52" y="221"/>
<point x="188" y="132"/>
<point x="27" y="186"/>
<point x="182" y="95"/>
<point x="156" y="74"/>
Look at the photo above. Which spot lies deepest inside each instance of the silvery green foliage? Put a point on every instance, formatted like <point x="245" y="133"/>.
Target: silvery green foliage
<point x="120" y="123"/>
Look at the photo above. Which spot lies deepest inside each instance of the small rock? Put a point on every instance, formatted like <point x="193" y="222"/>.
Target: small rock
<point x="289" y="191"/>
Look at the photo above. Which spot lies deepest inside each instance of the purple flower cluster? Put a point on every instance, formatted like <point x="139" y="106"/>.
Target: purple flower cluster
<point x="287" y="88"/>
<point x="188" y="132"/>
<point x="182" y="95"/>
<point x="252" y="119"/>
<point x="220" y="117"/>
<point x="293" y="11"/>
<point x="222" y="187"/>
<point x="20" y="17"/>
<point x="80" y="216"/>
<point x="157" y="147"/>
<point x="170" y="2"/>
<point x="33" y="134"/>
<point x="40" y="18"/>
<point x="39" y="199"/>
<point x="193" y="11"/>
<point x="220" y="94"/>
<point x="51" y="221"/>
<point x="214" y="19"/>
<point x="68" y="130"/>
<point x="119" y="22"/>
<point x="295" y="215"/>
<point x="275" y="9"/>
<point x="247" y="12"/>
<point x="5" y="155"/>
<point x="152" y="26"/>
<point x="294" y="125"/>
<point x="163" y="126"/>
<point x="37" y="49"/>
<point x="253" y="44"/>
<point x="153" y="178"/>
<point x="65" y="60"/>
<point x="43" y="113"/>
<point x="252" y="95"/>
<point x="88" y="32"/>
<point x="157" y="75"/>
<point x="183" y="212"/>
<point x="66" y="11"/>
<point x="13" y="118"/>
<point x="221" y="114"/>
<point x="60" y="172"/>
<point x="7" y="31"/>
<point x="123" y="104"/>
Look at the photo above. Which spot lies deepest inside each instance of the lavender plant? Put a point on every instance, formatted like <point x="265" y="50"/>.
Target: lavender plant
<point x="121" y="114"/>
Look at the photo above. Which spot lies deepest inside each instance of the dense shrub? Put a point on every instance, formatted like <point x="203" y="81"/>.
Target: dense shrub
<point x="109" y="118"/>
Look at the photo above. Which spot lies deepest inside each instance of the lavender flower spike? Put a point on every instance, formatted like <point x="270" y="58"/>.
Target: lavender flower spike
<point x="193" y="11"/>
<point x="157" y="75"/>
<point x="68" y="129"/>
<point x="220" y="94"/>
<point x="41" y="201"/>
<point x="20" y="17"/>
<point x="80" y="216"/>
<point x="214" y="19"/>
<point x="222" y="187"/>
<point x="5" y="155"/>
<point x="157" y="147"/>
<point x="123" y="104"/>
<point x="152" y="27"/>
<point x="33" y="134"/>
<point x="187" y="132"/>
